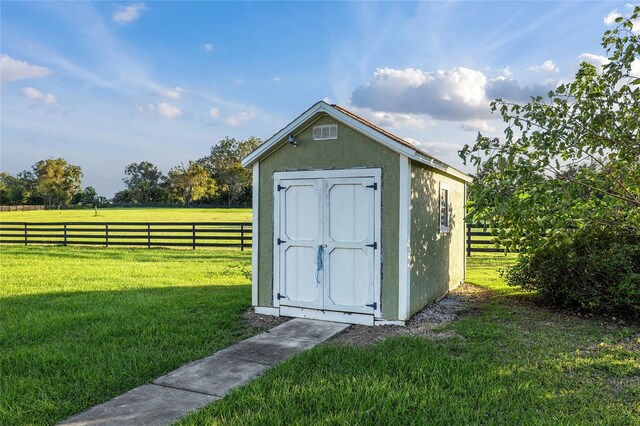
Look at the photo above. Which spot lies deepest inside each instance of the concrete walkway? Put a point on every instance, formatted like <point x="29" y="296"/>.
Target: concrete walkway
<point x="197" y="384"/>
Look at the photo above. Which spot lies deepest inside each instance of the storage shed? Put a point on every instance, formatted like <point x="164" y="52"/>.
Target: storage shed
<point x="352" y="223"/>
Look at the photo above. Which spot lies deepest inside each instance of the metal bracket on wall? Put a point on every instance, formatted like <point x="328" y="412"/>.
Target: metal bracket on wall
<point x="281" y="241"/>
<point x="374" y="186"/>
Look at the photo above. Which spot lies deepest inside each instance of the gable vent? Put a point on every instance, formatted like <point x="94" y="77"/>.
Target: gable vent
<point x="328" y="131"/>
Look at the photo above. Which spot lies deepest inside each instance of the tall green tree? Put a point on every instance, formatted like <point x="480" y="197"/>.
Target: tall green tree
<point x="191" y="183"/>
<point x="144" y="183"/>
<point x="13" y="189"/>
<point x="89" y="196"/>
<point x="56" y="181"/>
<point x="224" y="164"/>
<point x="567" y="160"/>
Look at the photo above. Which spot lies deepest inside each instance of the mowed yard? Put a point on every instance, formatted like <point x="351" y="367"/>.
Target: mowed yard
<point x="81" y="325"/>
<point x="130" y="215"/>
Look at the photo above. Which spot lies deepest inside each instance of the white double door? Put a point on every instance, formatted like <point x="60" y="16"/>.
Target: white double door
<point x="327" y="253"/>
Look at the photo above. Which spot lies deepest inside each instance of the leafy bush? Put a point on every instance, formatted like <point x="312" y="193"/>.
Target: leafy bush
<point x="597" y="270"/>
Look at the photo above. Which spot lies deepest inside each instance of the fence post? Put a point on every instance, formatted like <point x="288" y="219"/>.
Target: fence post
<point x="194" y="236"/>
<point x="106" y="235"/>
<point x="469" y="239"/>
<point x="241" y="237"/>
<point x="25" y="234"/>
<point x="148" y="235"/>
<point x="65" y="234"/>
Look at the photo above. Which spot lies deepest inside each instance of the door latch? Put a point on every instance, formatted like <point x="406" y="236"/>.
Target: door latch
<point x="279" y="296"/>
<point x="374" y="305"/>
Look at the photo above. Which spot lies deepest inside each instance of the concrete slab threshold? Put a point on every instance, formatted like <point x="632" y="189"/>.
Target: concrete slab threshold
<point x="201" y="382"/>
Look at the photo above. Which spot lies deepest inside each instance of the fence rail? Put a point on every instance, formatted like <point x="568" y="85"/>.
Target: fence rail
<point x="31" y="207"/>
<point x="139" y="234"/>
<point x="478" y="240"/>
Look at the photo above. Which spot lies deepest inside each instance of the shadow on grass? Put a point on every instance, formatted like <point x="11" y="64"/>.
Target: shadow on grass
<point x="64" y="352"/>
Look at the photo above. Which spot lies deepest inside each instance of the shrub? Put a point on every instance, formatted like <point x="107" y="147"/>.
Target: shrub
<point x="596" y="270"/>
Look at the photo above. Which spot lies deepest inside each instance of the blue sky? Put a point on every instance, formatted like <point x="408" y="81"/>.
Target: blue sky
<point x="106" y="84"/>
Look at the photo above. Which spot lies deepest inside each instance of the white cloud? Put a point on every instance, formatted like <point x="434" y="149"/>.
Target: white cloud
<point x="437" y="148"/>
<point x="393" y="119"/>
<point x="242" y="117"/>
<point x="13" y="69"/>
<point x="596" y="60"/>
<point x="36" y="95"/>
<point x="128" y="14"/>
<point x="164" y="109"/>
<point x="635" y="68"/>
<point x="460" y="94"/>
<point x="611" y="17"/>
<point x="175" y="93"/>
<point x="214" y="112"/>
<point x="167" y="110"/>
<point x="506" y="72"/>
<point x="477" y="126"/>
<point x="207" y="47"/>
<point x="277" y="79"/>
<point x="546" y="66"/>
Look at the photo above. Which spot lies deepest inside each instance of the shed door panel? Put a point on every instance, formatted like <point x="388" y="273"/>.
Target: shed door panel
<point x="301" y="220"/>
<point x="349" y="230"/>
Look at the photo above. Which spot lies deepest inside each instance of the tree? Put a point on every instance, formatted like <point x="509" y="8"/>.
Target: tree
<point x="145" y="183"/>
<point x="567" y="161"/>
<point x="89" y="196"/>
<point x="56" y="181"/>
<point x="224" y="164"/>
<point x="12" y="190"/>
<point x="191" y="183"/>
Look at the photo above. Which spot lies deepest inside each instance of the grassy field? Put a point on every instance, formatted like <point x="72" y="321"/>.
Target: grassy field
<point x="81" y="325"/>
<point x="511" y="363"/>
<point x="130" y="215"/>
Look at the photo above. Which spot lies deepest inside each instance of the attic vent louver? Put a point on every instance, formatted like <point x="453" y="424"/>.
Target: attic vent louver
<point x="328" y="131"/>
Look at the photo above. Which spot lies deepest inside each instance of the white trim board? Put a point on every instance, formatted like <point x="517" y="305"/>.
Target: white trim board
<point x="329" y="173"/>
<point x="264" y="310"/>
<point x="255" y="235"/>
<point x="345" y="317"/>
<point x="404" y="240"/>
<point x="324" y="108"/>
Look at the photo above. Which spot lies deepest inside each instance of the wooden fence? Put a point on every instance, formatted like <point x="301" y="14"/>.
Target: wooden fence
<point x="31" y="207"/>
<point x="479" y="241"/>
<point x="140" y="234"/>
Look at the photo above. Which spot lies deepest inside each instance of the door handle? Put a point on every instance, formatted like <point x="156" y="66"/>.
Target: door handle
<point x="319" y="262"/>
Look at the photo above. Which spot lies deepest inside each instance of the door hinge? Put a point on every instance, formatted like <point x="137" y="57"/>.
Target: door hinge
<point x="280" y="188"/>
<point x="374" y="305"/>
<point x="374" y="245"/>
<point x="374" y="186"/>
<point x="281" y="241"/>
<point x="279" y="296"/>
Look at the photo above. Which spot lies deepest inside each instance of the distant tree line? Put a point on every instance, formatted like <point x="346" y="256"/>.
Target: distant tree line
<point x="218" y="178"/>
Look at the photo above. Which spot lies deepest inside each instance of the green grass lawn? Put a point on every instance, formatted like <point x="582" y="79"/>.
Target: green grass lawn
<point x="511" y="363"/>
<point x="130" y="215"/>
<point x="79" y="326"/>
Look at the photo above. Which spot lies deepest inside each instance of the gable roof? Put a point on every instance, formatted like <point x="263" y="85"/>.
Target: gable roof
<point x="359" y="124"/>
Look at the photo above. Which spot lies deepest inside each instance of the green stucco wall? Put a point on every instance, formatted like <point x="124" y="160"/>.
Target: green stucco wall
<point x="437" y="261"/>
<point x="350" y="150"/>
